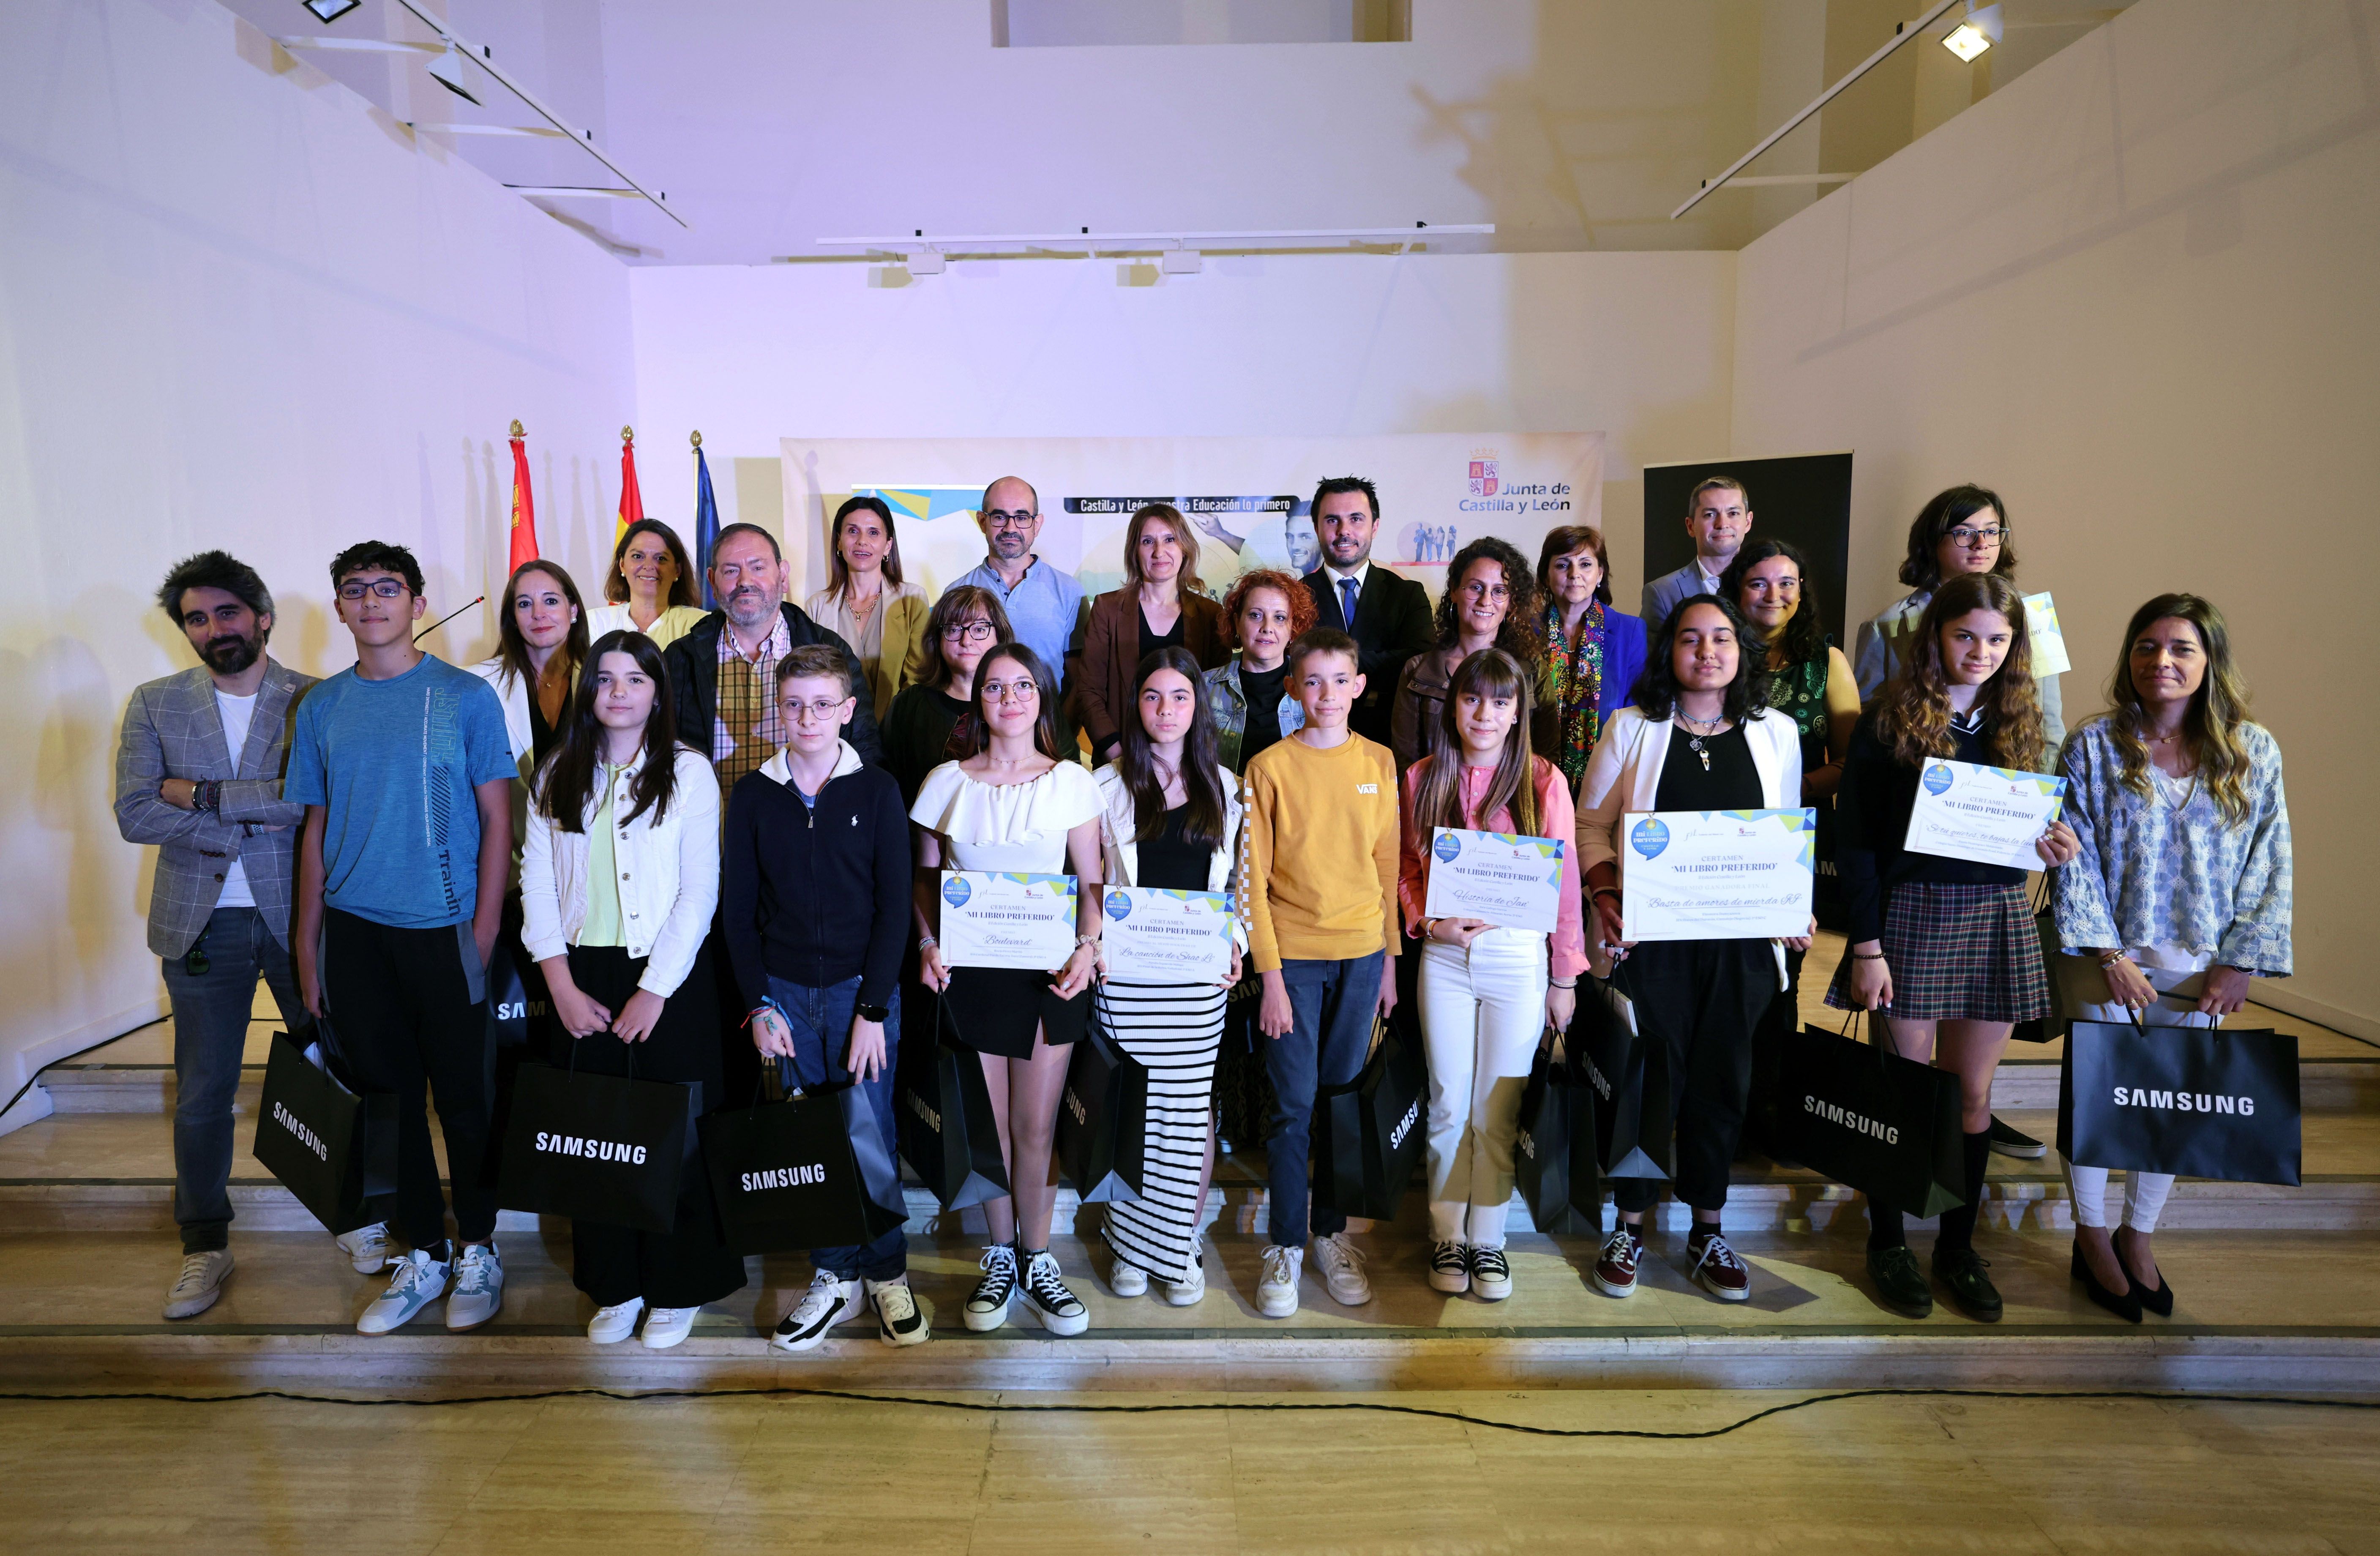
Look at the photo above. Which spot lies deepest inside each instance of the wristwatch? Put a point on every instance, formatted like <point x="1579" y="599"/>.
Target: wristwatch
<point x="867" y="1012"/>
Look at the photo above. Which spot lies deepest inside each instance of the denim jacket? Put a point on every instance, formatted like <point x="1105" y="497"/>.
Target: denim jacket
<point x="1229" y="702"/>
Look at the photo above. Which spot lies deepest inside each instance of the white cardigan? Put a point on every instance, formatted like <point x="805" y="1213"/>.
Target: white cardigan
<point x="1118" y="821"/>
<point x="668" y="878"/>
<point x="513" y="692"/>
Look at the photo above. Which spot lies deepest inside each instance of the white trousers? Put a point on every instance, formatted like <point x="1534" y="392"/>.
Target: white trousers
<point x="2145" y="1192"/>
<point x="1483" y="1010"/>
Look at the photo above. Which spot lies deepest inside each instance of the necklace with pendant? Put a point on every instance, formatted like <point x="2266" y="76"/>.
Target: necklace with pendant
<point x="1695" y="737"/>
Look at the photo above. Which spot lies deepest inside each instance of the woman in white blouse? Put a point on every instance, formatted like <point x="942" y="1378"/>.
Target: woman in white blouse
<point x="652" y="588"/>
<point x="1014" y="803"/>
<point x="619" y="877"/>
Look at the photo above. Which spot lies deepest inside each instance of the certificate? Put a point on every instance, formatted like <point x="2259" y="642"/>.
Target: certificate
<point x="2048" y="638"/>
<point x="1987" y="814"/>
<point x="1717" y="874"/>
<point x="1157" y="935"/>
<point x="1513" y="882"/>
<point x="1003" y="918"/>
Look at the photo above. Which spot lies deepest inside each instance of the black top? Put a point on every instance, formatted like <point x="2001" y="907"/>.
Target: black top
<point x="1172" y="861"/>
<point x="1394" y="622"/>
<point x="1263" y="689"/>
<point x="1872" y="815"/>
<point x="1731" y="781"/>
<point x="1152" y="641"/>
<point x="817" y="892"/>
<point x="916" y="735"/>
<point x="542" y="735"/>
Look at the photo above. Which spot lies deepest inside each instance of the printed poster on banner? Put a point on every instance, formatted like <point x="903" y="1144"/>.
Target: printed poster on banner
<point x="1155" y="934"/>
<point x="1007" y="919"/>
<point x="1990" y="815"/>
<point x="1717" y="874"/>
<point x="2047" y="637"/>
<point x="1246" y="500"/>
<point x="1513" y="882"/>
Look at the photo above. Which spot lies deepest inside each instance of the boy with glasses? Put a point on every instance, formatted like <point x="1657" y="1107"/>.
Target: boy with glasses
<point x="406" y="772"/>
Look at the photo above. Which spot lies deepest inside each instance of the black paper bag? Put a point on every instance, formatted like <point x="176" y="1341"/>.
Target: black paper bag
<point x="808" y="1169"/>
<point x="596" y="1147"/>
<point x="1104" y="1119"/>
<point x="2196" y="1101"/>
<point x="1635" y="1113"/>
<point x="1875" y="1122"/>
<point x="942" y="1110"/>
<point x="1368" y="1136"/>
<point x="517" y="999"/>
<point x="1553" y="1153"/>
<point x="327" y="1142"/>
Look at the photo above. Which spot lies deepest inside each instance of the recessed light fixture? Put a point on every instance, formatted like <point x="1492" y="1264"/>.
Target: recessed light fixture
<point x="1979" y="31"/>
<point x="328" y="12"/>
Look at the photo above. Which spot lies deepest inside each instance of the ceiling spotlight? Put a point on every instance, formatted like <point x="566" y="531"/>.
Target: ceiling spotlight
<point x="446" y="69"/>
<point x="1179" y="261"/>
<point x="927" y="261"/>
<point x="328" y="12"/>
<point x="1979" y="31"/>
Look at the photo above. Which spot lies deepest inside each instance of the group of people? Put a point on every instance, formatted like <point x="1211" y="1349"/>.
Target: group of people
<point x="731" y="824"/>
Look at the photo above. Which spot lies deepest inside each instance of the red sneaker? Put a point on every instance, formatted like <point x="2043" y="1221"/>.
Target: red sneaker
<point x="1717" y="1268"/>
<point x="1615" y="1268"/>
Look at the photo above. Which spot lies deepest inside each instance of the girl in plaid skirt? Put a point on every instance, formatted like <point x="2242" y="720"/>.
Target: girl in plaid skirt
<point x="1944" y="949"/>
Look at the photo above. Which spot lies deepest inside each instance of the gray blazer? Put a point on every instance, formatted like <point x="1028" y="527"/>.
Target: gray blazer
<point x="1664" y="594"/>
<point x="172" y="729"/>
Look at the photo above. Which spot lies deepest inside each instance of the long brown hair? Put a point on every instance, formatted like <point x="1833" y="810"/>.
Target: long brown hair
<point x="1186" y="581"/>
<point x="1914" y="712"/>
<point x="2211" y="724"/>
<point x="976" y="728"/>
<point x="566" y="785"/>
<point x="838" y="570"/>
<point x="513" y="649"/>
<point x="957" y="604"/>
<point x="1203" y="792"/>
<point x="682" y="587"/>
<point x="1438" y="798"/>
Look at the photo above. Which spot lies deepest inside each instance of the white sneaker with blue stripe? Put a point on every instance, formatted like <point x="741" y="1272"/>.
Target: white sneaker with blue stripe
<point x="478" y="1287"/>
<point x="419" y="1280"/>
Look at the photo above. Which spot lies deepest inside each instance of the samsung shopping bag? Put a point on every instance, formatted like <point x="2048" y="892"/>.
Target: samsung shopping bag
<point x="802" y="1169"/>
<point x="326" y="1141"/>
<point x="941" y="1110"/>
<point x="1368" y="1135"/>
<point x="1104" y="1119"/>
<point x="1872" y="1120"/>
<point x="2197" y="1102"/>
<point x="1553" y="1154"/>
<point x="596" y="1147"/>
<point x="1630" y="1078"/>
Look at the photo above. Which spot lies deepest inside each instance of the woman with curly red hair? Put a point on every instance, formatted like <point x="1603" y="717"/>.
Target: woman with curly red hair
<point x="1264" y="613"/>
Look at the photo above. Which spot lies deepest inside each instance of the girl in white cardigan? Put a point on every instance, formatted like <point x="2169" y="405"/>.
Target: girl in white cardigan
<point x="1701" y="737"/>
<point x="619" y="878"/>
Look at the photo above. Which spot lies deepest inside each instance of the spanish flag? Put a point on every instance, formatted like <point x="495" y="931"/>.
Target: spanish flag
<point x="524" y="547"/>
<point x="631" y="501"/>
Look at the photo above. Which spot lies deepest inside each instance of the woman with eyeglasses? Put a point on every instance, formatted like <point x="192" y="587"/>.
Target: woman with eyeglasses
<point x="1490" y="603"/>
<point x="964" y="625"/>
<point x="1013" y="802"/>
<point x="868" y="603"/>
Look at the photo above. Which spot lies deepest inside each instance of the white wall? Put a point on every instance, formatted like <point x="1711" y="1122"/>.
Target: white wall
<point x="2134" y="292"/>
<point x="237" y="307"/>
<point x="1636" y="346"/>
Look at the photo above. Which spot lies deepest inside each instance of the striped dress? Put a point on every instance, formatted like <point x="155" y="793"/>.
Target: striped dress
<point x="1175" y="1030"/>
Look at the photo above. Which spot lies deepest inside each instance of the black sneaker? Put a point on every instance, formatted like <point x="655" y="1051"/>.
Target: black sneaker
<point x="1900" y="1284"/>
<point x="1971" y="1291"/>
<point x="987" y="1308"/>
<point x="1048" y="1299"/>
<point x="2011" y="1141"/>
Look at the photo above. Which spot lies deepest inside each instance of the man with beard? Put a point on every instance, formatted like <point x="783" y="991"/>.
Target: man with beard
<point x="199" y="775"/>
<point x="1388" y="616"/>
<point x="1044" y="602"/>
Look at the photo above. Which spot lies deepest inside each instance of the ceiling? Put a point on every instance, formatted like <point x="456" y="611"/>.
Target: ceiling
<point x="1568" y="124"/>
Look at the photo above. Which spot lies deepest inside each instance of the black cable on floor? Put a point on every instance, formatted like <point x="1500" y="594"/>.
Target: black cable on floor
<point x="1067" y="1408"/>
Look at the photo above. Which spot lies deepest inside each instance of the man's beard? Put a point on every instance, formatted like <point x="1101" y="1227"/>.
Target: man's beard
<point x="1008" y="548"/>
<point x="747" y="607"/>
<point x="231" y="654"/>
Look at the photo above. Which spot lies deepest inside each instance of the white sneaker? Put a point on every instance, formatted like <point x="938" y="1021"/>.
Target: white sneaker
<point x="200" y="1282"/>
<point x="1048" y="1298"/>
<point x="987" y="1309"/>
<point x="1450" y="1268"/>
<point x="664" y="1327"/>
<point x="1127" y="1279"/>
<point x="419" y="1281"/>
<point x="1277" y="1283"/>
<point x="899" y="1320"/>
<point x="611" y="1325"/>
<point x="478" y="1287"/>
<point x="1342" y="1264"/>
<point x="829" y="1301"/>
<point x="368" y="1247"/>
<point x="1189" y="1292"/>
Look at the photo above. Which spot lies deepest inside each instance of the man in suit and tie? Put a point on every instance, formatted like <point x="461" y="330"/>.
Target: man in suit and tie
<point x="1719" y="516"/>
<point x="199" y="775"/>
<point x="1387" y="616"/>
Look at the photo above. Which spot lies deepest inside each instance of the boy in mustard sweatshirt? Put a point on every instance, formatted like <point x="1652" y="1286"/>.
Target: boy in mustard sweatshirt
<point x="1320" y="897"/>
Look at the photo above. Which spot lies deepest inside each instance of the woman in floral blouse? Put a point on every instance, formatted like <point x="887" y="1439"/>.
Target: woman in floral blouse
<point x="2181" y="893"/>
<point x="1592" y="652"/>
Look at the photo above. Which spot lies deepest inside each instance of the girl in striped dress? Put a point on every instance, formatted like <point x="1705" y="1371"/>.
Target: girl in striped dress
<point x="1171" y="819"/>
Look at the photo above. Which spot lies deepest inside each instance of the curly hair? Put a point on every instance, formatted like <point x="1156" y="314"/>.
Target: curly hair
<point x="1912" y="711"/>
<point x="1522" y="634"/>
<point x="1805" y="637"/>
<point x="219" y="569"/>
<point x="1656" y="693"/>
<point x="1922" y="569"/>
<point x="1302" y="612"/>
<point x="2211" y="726"/>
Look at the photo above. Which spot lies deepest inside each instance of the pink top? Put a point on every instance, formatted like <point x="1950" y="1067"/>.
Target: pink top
<point x="1566" y="955"/>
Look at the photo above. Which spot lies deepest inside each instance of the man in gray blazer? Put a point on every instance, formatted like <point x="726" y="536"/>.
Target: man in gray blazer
<point x="199" y="775"/>
<point x="1719" y="516"/>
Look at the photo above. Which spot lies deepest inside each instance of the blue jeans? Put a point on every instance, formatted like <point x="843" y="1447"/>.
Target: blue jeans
<point x="1331" y="1006"/>
<point x="820" y="1019"/>
<point x="211" y="1016"/>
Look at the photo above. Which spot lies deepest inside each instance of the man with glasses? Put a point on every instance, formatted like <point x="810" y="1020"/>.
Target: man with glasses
<point x="1387" y="613"/>
<point x="1044" y="602"/>
<point x="406" y="772"/>
<point x="1719" y="516"/>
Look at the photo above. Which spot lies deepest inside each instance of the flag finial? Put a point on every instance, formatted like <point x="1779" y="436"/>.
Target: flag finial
<point x="697" y="440"/>
<point x="627" y="434"/>
<point x="518" y="431"/>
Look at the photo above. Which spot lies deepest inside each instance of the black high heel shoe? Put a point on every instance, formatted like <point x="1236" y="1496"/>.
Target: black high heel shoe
<point x="2126" y="1306"/>
<point x="2159" y="1301"/>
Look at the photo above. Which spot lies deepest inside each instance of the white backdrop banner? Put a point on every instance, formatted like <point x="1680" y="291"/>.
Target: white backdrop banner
<point x="1246" y="496"/>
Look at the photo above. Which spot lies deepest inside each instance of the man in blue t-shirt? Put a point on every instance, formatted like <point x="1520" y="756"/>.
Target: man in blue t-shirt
<point x="406" y="773"/>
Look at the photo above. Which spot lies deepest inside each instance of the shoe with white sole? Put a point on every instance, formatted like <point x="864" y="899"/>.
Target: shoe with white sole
<point x="987" y="1309"/>
<point x="664" y="1327"/>
<point x="1450" y="1268"/>
<point x="1277" y="1281"/>
<point x="1491" y="1275"/>
<point x="1127" y="1279"/>
<point x="200" y="1282"/>
<point x="829" y="1301"/>
<point x="478" y="1287"/>
<point x="1342" y="1266"/>
<point x="1048" y="1298"/>
<point x="419" y="1281"/>
<point x="1189" y="1292"/>
<point x="368" y="1247"/>
<point x="899" y="1319"/>
<point x="611" y="1325"/>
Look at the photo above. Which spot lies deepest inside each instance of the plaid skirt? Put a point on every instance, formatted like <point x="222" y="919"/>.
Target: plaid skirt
<point x="1957" y="953"/>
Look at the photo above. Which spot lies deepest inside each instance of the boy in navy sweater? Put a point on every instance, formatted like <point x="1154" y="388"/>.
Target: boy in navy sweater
<point x="814" y="893"/>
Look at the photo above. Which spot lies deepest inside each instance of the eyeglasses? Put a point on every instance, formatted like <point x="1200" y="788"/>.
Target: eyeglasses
<point x="819" y="709"/>
<point x="967" y="632"/>
<point x="387" y="588"/>
<point x="1000" y="518"/>
<point x="1011" y="691"/>
<point x="1970" y="539"/>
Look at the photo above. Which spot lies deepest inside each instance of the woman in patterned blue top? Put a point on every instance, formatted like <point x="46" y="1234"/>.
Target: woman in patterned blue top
<point x="2182" y="891"/>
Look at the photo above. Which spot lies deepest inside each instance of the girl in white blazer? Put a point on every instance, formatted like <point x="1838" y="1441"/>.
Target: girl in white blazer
<point x="1699" y="738"/>
<point x="1169" y="817"/>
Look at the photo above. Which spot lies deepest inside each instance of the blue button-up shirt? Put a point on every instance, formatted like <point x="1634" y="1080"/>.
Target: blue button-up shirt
<point x="1042" y="608"/>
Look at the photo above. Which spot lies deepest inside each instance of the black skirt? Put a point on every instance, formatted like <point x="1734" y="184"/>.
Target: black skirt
<point x="997" y="1010"/>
